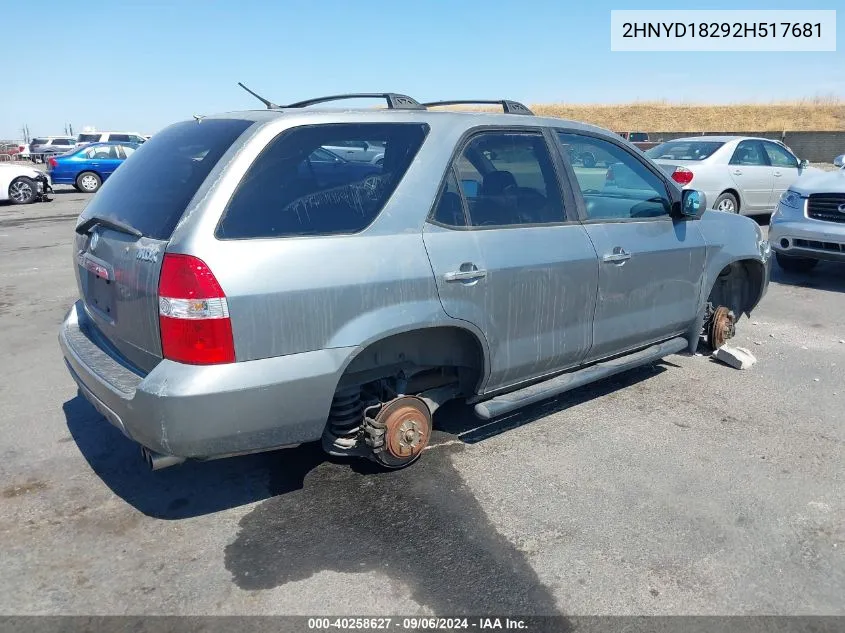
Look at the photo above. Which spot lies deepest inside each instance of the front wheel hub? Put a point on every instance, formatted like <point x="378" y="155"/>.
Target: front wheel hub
<point x="722" y="327"/>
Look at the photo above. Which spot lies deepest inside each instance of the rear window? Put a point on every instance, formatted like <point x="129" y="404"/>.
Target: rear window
<point x="292" y="190"/>
<point x="150" y="191"/>
<point x="684" y="150"/>
<point x="89" y="138"/>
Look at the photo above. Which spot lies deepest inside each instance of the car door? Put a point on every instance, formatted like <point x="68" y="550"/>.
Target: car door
<point x="104" y="159"/>
<point x="785" y="170"/>
<point x="750" y="170"/>
<point x="651" y="264"/>
<point x="508" y="259"/>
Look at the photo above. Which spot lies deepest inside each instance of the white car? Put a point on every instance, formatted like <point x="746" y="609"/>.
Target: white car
<point x="102" y="137"/>
<point x="738" y="174"/>
<point x="20" y="184"/>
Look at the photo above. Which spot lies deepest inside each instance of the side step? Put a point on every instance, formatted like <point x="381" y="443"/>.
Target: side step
<point x="508" y="402"/>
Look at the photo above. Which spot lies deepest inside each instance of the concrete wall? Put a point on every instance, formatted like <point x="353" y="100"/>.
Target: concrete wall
<point x="816" y="147"/>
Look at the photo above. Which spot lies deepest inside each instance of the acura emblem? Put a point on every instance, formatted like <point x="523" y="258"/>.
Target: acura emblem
<point x="841" y="208"/>
<point x="95" y="239"/>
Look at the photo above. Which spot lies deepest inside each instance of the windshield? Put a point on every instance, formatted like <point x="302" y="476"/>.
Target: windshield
<point x="151" y="190"/>
<point x="684" y="150"/>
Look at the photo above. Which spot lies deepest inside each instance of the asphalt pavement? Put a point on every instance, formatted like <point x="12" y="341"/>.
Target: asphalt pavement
<point x="684" y="487"/>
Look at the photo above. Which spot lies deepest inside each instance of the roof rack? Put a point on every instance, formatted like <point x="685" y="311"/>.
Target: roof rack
<point x="394" y="101"/>
<point x="510" y="107"/>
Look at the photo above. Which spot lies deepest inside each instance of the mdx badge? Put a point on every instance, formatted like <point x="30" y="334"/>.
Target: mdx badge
<point x="147" y="254"/>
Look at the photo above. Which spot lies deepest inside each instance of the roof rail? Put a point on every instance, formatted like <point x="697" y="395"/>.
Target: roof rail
<point x="510" y="107"/>
<point x="394" y="101"/>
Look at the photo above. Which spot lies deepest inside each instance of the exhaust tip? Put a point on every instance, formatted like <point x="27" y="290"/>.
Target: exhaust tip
<point x="157" y="461"/>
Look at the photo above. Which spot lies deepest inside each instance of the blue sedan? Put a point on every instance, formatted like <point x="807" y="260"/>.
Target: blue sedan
<point x="87" y="167"/>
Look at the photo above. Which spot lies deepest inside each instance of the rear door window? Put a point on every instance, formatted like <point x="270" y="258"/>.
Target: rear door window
<point x="286" y="193"/>
<point x="119" y="138"/>
<point x="89" y="138"/>
<point x="750" y="153"/>
<point x="509" y="178"/>
<point x="151" y="191"/>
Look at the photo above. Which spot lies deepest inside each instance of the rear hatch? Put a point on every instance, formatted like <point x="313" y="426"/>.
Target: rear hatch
<point x="122" y="235"/>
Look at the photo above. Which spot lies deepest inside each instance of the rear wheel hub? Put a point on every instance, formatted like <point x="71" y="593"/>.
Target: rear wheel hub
<point x="405" y="425"/>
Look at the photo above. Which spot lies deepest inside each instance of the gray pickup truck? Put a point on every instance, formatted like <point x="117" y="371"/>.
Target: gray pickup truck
<point x="235" y="298"/>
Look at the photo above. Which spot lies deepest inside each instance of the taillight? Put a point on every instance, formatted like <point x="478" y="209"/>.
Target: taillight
<point x="53" y="163"/>
<point x="193" y="313"/>
<point x="682" y="175"/>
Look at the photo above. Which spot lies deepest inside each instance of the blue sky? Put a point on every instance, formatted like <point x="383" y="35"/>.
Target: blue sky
<point x="141" y="65"/>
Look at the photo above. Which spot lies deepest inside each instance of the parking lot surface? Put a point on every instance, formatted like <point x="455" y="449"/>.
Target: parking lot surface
<point x="685" y="487"/>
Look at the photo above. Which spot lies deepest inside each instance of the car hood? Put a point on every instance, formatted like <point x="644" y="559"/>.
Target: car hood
<point x="820" y="181"/>
<point x="18" y="170"/>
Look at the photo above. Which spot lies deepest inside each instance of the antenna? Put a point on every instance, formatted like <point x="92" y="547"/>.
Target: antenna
<point x="270" y="105"/>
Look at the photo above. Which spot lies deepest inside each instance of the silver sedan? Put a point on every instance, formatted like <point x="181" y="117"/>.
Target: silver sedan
<point x="739" y="174"/>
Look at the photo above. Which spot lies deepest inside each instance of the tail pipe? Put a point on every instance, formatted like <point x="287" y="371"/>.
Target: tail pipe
<point x="157" y="461"/>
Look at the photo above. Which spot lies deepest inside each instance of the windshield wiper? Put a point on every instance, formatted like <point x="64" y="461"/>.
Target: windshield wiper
<point x="117" y="225"/>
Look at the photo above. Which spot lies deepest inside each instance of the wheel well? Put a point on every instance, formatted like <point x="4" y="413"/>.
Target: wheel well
<point x="738" y="286"/>
<point x="417" y="353"/>
<point x="735" y="194"/>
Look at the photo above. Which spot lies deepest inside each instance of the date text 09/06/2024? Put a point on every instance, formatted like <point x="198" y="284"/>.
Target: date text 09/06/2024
<point x="416" y="623"/>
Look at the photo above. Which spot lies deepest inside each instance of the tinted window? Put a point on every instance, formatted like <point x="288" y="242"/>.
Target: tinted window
<point x="749" y="153"/>
<point x="89" y="138"/>
<point x="508" y="178"/>
<point x="622" y="188"/>
<point x="638" y="137"/>
<point x="684" y="150"/>
<point x="38" y="141"/>
<point x="321" y="155"/>
<point x="150" y="192"/>
<point x="284" y="193"/>
<point x="450" y="208"/>
<point x="63" y="141"/>
<point x="126" y="150"/>
<point x="101" y="152"/>
<point x="778" y="156"/>
<point x="119" y="138"/>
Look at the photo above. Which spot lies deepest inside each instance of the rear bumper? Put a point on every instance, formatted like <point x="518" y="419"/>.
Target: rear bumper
<point x="804" y="237"/>
<point x="205" y="411"/>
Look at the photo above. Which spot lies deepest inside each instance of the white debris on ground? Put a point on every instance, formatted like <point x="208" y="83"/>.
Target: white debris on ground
<point x="736" y="357"/>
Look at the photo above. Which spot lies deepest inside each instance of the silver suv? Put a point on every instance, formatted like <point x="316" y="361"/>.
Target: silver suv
<point x="237" y="296"/>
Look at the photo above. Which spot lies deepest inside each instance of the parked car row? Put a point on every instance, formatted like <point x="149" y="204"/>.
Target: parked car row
<point x="41" y="148"/>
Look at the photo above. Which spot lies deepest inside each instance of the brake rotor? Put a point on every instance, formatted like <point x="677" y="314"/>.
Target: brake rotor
<point x="407" y="430"/>
<point x="721" y="327"/>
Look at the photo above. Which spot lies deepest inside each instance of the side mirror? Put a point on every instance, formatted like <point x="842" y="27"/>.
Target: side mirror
<point x="803" y="163"/>
<point x="693" y="203"/>
<point x="839" y="161"/>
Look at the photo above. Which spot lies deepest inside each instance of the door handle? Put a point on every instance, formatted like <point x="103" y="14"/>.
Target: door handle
<point x="737" y="172"/>
<point x="777" y="174"/>
<point x="465" y="275"/>
<point x="618" y="255"/>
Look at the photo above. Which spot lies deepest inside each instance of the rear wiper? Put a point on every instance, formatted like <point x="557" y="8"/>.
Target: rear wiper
<point x="117" y="225"/>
